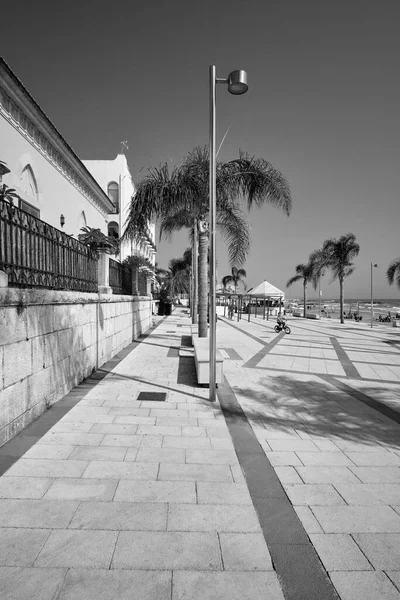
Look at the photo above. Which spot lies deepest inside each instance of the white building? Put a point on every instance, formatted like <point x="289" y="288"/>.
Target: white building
<point x="50" y="180"/>
<point x="115" y="179"/>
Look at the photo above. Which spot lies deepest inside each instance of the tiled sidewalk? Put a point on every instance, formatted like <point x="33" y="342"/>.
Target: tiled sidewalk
<point x="336" y="456"/>
<point x="126" y="499"/>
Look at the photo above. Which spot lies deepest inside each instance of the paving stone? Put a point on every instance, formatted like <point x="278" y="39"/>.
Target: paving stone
<point x="69" y="548"/>
<point x="24" y="487"/>
<point x="192" y="432"/>
<point x="221" y="443"/>
<point x="212" y="457"/>
<point x="156" y="491"/>
<point x="195" y="585"/>
<point x="158" y="455"/>
<point x="120" y="470"/>
<point x="176" y="414"/>
<point x="370" y="493"/>
<point x="20" y="547"/>
<point x="324" y="459"/>
<point x="245" y="552"/>
<point x="120" y="516"/>
<point x="278" y="459"/>
<point x="222" y="493"/>
<point x="339" y="552"/>
<point x="377" y="474"/>
<point x="357" y="519"/>
<point x="89" y="453"/>
<point x="43" y="514"/>
<point x="132" y="420"/>
<point x="394" y="577"/>
<point x="372" y="459"/>
<point x="308" y="520"/>
<point x="218" y="432"/>
<point x="81" y="489"/>
<point x="36" y="467"/>
<point x="213" y="517"/>
<point x="159" y="430"/>
<point x="71" y="427"/>
<point x="381" y="549"/>
<point x="167" y="550"/>
<point x="121" y="440"/>
<point x="237" y="474"/>
<point x="112" y="428"/>
<point x="292" y="445"/>
<point x="316" y="495"/>
<point x="102" y="584"/>
<point x="129" y="410"/>
<point x="185" y="472"/>
<point x="327" y="475"/>
<point x="42" y="451"/>
<point x="364" y="586"/>
<point x="187" y="442"/>
<point x="71" y="439"/>
<point x="287" y="475"/>
<point x="18" y="583"/>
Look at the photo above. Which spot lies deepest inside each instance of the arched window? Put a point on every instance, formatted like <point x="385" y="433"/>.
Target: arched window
<point x="28" y="190"/>
<point x="113" y="229"/>
<point x="113" y="193"/>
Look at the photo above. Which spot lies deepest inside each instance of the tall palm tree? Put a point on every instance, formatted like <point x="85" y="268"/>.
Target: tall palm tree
<point x="337" y="255"/>
<point x="393" y="272"/>
<point x="180" y="198"/>
<point x="304" y="273"/>
<point x="236" y="276"/>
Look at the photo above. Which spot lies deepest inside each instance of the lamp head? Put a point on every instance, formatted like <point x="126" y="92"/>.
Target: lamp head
<point x="237" y="82"/>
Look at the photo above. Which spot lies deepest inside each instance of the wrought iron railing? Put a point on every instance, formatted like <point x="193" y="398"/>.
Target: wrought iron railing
<point x="35" y="254"/>
<point x="120" y="278"/>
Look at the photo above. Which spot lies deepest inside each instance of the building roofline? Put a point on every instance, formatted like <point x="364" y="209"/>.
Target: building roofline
<point x="106" y="200"/>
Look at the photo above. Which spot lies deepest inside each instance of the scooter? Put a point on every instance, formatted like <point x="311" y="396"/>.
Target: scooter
<point x="281" y="325"/>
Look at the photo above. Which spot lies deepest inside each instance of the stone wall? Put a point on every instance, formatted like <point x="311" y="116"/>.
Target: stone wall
<point x="50" y="341"/>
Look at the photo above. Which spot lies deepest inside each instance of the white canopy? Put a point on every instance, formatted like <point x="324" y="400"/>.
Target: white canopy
<point x="266" y="290"/>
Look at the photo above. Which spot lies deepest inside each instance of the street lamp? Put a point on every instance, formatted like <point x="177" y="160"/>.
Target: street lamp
<point x="237" y="85"/>
<point x="372" y="312"/>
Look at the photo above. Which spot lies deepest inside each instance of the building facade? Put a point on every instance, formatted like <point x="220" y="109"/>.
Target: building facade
<point x="115" y="179"/>
<point x="50" y="180"/>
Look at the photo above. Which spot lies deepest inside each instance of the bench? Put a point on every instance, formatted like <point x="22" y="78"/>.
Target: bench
<point x="202" y="358"/>
<point x="298" y="313"/>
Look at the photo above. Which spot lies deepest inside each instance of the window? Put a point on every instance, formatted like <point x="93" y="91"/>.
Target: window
<point x="113" y="230"/>
<point x="28" y="208"/>
<point x="113" y="194"/>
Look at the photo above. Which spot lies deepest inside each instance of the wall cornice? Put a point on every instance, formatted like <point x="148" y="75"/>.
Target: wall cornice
<point x="21" y="111"/>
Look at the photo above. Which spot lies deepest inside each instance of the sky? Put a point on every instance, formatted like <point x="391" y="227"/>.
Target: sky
<point x="322" y="107"/>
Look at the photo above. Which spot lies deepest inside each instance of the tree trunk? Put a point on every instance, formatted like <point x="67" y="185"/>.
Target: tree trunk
<point x="195" y="274"/>
<point x="203" y="281"/>
<point x="341" y="300"/>
<point x="305" y="299"/>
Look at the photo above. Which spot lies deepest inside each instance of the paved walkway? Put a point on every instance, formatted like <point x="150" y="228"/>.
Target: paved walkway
<point x="288" y="487"/>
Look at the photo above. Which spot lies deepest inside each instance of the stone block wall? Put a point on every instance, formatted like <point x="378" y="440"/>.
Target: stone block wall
<point x="50" y="341"/>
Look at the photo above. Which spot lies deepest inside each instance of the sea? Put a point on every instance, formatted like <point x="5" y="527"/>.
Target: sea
<point x="381" y="306"/>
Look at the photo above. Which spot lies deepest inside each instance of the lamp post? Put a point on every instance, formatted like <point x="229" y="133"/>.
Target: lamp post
<point x="237" y="85"/>
<point x="372" y="311"/>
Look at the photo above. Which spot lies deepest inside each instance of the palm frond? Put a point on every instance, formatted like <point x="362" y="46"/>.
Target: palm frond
<point x="293" y="280"/>
<point x="393" y="273"/>
<point x="235" y="230"/>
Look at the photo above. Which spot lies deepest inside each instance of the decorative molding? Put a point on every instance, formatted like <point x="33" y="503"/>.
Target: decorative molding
<point x="18" y="109"/>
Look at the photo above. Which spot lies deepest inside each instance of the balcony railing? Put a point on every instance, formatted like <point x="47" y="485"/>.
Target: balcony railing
<point x="35" y="254"/>
<point x="120" y="278"/>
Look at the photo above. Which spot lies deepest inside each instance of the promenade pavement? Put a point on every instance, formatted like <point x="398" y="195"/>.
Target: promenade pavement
<point x="287" y="487"/>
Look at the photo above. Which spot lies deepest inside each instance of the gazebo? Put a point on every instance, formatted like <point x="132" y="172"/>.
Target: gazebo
<point x="265" y="291"/>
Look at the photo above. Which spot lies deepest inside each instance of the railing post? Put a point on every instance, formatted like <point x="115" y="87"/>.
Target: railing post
<point x="3" y="279"/>
<point x="103" y="271"/>
<point x="135" y="280"/>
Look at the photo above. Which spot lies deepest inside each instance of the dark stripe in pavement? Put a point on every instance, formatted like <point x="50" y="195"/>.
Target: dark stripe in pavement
<point x="382" y="408"/>
<point x="253" y="362"/>
<point x="173" y="352"/>
<point x="233" y="355"/>
<point x="16" y="447"/>
<point x="300" y="572"/>
<point x="346" y="363"/>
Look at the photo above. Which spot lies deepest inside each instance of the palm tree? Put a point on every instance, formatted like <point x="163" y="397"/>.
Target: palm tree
<point x="393" y="273"/>
<point x="236" y="276"/>
<point x="304" y="273"/>
<point x="337" y="255"/>
<point x="180" y="198"/>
